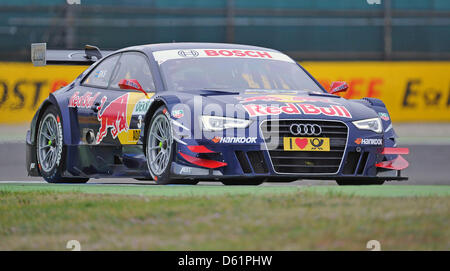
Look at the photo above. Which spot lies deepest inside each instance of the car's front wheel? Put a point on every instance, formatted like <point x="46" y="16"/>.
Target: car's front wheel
<point x="50" y="150"/>
<point x="160" y="148"/>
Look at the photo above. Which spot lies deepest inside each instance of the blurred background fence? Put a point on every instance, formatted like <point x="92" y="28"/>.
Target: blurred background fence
<point x="306" y="30"/>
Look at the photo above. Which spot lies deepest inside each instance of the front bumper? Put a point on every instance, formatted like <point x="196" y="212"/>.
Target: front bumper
<point x="181" y="171"/>
<point x="353" y="154"/>
<point x="248" y="161"/>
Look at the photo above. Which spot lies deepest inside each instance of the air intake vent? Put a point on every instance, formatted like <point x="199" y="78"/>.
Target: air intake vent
<point x="307" y="162"/>
<point x="257" y="160"/>
<point x="351" y="162"/>
<point x="243" y="161"/>
<point x="363" y="162"/>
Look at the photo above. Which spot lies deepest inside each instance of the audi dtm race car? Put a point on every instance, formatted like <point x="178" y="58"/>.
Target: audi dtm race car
<point x="189" y="112"/>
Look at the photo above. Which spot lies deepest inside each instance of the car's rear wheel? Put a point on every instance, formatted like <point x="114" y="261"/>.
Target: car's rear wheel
<point x="50" y="150"/>
<point x="359" y="182"/>
<point x="160" y="148"/>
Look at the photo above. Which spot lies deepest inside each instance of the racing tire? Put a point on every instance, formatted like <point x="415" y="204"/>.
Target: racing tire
<point x="50" y="150"/>
<point x="160" y="148"/>
<point x="243" y="182"/>
<point x="358" y="182"/>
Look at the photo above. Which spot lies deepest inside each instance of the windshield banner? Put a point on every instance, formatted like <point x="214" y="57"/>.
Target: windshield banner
<point x="162" y="56"/>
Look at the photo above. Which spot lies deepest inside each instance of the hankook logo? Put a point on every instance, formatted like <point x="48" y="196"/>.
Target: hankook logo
<point x="228" y="139"/>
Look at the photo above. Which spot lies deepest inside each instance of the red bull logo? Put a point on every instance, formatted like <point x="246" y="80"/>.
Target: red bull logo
<point x="85" y="101"/>
<point x="114" y="115"/>
<point x="256" y="110"/>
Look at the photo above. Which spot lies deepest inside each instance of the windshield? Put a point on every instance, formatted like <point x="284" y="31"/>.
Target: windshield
<point x="234" y="74"/>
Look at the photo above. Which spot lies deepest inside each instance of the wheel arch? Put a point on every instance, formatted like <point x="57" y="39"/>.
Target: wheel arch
<point x="35" y="126"/>
<point x="37" y="119"/>
<point x="157" y="103"/>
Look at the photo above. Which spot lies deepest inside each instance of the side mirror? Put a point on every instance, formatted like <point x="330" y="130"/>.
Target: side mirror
<point x="131" y="84"/>
<point x="338" y="86"/>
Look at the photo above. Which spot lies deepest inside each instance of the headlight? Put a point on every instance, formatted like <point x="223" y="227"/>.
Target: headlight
<point x="212" y="123"/>
<point x="369" y="124"/>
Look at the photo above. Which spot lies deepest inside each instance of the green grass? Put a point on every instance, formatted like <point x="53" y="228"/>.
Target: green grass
<point x="199" y="190"/>
<point x="150" y="190"/>
<point x="149" y="217"/>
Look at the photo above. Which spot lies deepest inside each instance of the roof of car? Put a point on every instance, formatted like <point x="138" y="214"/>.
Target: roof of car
<point x="148" y="48"/>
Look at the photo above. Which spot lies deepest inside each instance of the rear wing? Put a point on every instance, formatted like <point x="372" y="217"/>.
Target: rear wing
<point x="40" y="56"/>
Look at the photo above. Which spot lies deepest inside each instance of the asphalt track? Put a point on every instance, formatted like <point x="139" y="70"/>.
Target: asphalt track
<point x="429" y="165"/>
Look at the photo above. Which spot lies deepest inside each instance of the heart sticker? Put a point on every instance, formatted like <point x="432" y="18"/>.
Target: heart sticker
<point x="301" y="142"/>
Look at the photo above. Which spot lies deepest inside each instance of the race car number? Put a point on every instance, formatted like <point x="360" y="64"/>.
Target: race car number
<point x="306" y="144"/>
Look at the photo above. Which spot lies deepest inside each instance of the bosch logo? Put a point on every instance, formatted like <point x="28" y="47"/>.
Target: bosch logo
<point x="188" y="53"/>
<point x="305" y="129"/>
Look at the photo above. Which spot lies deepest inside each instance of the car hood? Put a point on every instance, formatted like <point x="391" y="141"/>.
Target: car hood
<point x="284" y="104"/>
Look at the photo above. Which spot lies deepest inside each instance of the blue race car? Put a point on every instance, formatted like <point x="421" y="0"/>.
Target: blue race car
<point x="189" y="112"/>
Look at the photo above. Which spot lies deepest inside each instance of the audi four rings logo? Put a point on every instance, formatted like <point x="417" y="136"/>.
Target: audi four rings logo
<point x="305" y="129"/>
<point x="188" y="53"/>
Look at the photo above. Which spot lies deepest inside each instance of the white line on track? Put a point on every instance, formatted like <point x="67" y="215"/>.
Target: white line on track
<point x="22" y="182"/>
